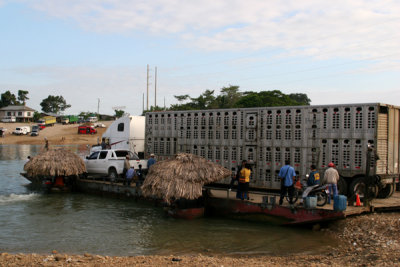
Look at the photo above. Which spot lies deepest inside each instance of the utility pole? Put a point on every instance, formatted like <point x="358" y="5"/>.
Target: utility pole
<point x="143" y="104"/>
<point x="155" y="88"/>
<point x="98" y="107"/>
<point x="147" y="106"/>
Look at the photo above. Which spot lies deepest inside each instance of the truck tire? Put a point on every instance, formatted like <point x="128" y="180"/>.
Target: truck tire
<point x="393" y="189"/>
<point x="112" y="175"/>
<point x="358" y="187"/>
<point x="386" y="191"/>
<point x="342" y="186"/>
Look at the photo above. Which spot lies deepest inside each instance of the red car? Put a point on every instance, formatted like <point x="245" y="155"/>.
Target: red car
<point x="86" y="130"/>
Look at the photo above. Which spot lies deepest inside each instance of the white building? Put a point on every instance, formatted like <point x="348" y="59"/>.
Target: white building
<point x="21" y="113"/>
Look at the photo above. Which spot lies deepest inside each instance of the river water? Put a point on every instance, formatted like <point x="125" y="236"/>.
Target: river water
<point x="35" y="222"/>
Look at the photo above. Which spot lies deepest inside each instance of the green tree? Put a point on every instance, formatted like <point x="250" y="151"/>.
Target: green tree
<point x="85" y="115"/>
<point x="119" y="113"/>
<point x="204" y="100"/>
<point x="228" y="98"/>
<point x="54" y="104"/>
<point x="36" y="116"/>
<point x="8" y="99"/>
<point x="300" y="98"/>
<point x="265" y="99"/>
<point x="22" y="96"/>
<point x="181" y="98"/>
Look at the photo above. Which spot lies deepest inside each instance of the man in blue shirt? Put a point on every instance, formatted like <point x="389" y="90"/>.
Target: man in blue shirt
<point x="312" y="182"/>
<point x="287" y="175"/>
<point x="151" y="161"/>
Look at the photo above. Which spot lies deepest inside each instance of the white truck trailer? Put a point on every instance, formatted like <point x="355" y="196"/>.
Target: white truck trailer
<point x="305" y="135"/>
<point x="127" y="133"/>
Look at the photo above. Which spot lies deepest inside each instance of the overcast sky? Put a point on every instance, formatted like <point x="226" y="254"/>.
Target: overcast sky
<point x="97" y="50"/>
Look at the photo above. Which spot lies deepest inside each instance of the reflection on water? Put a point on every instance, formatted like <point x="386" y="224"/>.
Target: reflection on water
<point x="78" y="223"/>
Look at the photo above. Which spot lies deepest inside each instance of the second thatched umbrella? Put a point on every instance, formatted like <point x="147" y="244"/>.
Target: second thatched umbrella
<point x="182" y="177"/>
<point x="55" y="162"/>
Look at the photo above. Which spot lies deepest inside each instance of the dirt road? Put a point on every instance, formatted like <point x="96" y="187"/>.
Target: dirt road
<point x="57" y="135"/>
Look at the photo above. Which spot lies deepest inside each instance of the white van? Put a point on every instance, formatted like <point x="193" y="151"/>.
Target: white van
<point x="8" y="119"/>
<point x="22" y="130"/>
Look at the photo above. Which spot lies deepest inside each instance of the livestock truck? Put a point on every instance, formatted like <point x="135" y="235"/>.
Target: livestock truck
<point x="362" y="140"/>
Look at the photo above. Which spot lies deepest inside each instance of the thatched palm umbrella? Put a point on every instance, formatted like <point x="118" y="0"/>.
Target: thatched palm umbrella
<point x="182" y="177"/>
<point x="55" y="162"/>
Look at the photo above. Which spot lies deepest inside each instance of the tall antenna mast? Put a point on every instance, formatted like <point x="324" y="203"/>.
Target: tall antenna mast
<point x="155" y="88"/>
<point x="147" y="106"/>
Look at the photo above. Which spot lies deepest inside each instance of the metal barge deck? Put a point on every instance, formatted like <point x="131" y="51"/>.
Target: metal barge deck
<point x="261" y="206"/>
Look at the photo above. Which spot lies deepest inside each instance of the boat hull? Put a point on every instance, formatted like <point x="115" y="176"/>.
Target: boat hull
<point x="188" y="214"/>
<point x="282" y="215"/>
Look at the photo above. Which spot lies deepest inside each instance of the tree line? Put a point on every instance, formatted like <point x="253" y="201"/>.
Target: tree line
<point x="231" y="97"/>
<point x="51" y="104"/>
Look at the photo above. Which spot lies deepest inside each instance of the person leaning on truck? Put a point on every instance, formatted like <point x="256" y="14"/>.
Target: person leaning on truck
<point x="331" y="177"/>
<point x="287" y="175"/>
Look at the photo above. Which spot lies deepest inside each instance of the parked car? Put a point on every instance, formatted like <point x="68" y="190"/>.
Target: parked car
<point x="91" y="119"/>
<point x="110" y="163"/>
<point x="86" y="130"/>
<point x="99" y="125"/>
<point x="35" y="130"/>
<point x="8" y="119"/>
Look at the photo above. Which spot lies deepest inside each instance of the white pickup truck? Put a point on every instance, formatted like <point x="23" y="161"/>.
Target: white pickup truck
<point x="110" y="163"/>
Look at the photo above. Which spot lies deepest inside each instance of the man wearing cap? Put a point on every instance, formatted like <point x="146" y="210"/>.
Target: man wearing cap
<point x="151" y="161"/>
<point x="331" y="177"/>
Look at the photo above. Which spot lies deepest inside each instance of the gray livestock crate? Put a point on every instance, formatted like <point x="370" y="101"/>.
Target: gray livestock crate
<point x="268" y="136"/>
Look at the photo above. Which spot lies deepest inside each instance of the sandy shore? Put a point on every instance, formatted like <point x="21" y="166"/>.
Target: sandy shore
<point x="368" y="240"/>
<point x="57" y="135"/>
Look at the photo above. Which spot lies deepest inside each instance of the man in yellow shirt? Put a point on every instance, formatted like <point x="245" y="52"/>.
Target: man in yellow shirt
<point x="244" y="181"/>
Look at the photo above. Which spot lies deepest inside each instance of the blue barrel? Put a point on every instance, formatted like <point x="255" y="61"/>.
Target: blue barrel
<point x="340" y="203"/>
<point x="311" y="202"/>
